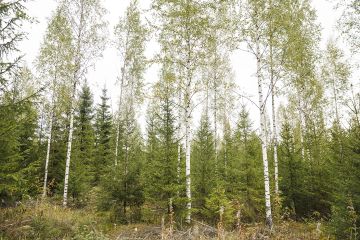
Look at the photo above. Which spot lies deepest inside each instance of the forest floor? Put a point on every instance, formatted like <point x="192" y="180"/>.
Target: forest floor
<point x="48" y="221"/>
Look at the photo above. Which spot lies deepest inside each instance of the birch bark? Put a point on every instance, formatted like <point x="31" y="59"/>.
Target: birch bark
<point x="187" y="157"/>
<point x="275" y="140"/>
<point x="49" y="138"/>
<point x="302" y="125"/>
<point x="47" y="154"/>
<point x="179" y="140"/>
<point x="118" y="125"/>
<point x="263" y="136"/>
<point x="68" y="151"/>
<point x="121" y="93"/>
<point x="88" y="28"/>
<point x="72" y="99"/>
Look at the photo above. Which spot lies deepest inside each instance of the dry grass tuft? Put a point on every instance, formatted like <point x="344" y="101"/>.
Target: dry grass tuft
<point x="43" y="220"/>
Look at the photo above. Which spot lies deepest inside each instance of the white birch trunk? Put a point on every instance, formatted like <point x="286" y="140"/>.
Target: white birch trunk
<point x="179" y="142"/>
<point x="178" y="163"/>
<point x="72" y="110"/>
<point x="187" y="158"/>
<point x="120" y="100"/>
<point x="276" y="167"/>
<point x="275" y="140"/>
<point x="301" y="128"/>
<point x="68" y="151"/>
<point x="47" y="156"/>
<point x="215" y="125"/>
<point x="336" y="102"/>
<point x="118" y="125"/>
<point x="215" y="103"/>
<point x="49" y="137"/>
<point x="263" y="139"/>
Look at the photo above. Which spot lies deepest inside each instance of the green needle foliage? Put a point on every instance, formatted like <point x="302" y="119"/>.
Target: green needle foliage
<point x="199" y="156"/>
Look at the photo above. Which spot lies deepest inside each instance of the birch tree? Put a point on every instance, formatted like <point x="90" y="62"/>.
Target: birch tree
<point x="181" y="30"/>
<point x="218" y="44"/>
<point x="53" y="63"/>
<point x="302" y="37"/>
<point x="87" y="25"/>
<point x="335" y="74"/>
<point x="274" y="33"/>
<point x="254" y="33"/>
<point x="349" y="22"/>
<point x="130" y="36"/>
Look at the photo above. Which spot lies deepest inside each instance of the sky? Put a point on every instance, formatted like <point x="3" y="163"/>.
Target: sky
<point x="107" y="69"/>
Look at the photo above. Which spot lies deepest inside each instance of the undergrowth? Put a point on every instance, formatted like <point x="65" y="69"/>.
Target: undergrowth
<point x="44" y="220"/>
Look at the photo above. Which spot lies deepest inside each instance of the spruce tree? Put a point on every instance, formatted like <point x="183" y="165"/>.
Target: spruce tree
<point x="84" y="143"/>
<point x="292" y="171"/>
<point x="103" y="134"/>
<point x="246" y="168"/>
<point x="19" y="168"/>
<point x="161" y="180"/>
<point x="203" y="164"/>
<point x="122" y="186"/>
<point x="152" y="157"/>
<point x="12" y="14"/>
<point x="182" y="29"/>
<point x="346" y="206"/>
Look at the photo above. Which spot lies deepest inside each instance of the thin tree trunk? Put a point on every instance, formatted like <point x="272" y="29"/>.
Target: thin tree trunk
<point x="68" y="152"/>
<point x="50" y="137"/>
<point x="215" y="103"/>
<point x="275" y="140"/>
<point x="179" y="142"/>
<point x="301" y="128"/>
<point x="187" y="158"/>
<point x="121" y="93"/>
<point x="336" y="103"/>
<point x="118" y="125"/>
<point x="41" y="127"/>
<point x="207" y="98"/>
<point x="187" y="100"/>
<point x="178" y="163"/>
<point x="47" y="156"/>
<point x="72" y="110"/>
<point x="263" y="139"/>
<point x="215" y="126"/>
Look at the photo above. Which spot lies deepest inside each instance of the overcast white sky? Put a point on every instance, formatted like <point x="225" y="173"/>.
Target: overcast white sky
<point x="107" y="69"/>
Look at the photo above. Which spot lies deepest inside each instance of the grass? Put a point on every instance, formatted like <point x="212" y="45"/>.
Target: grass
<point x="45" y="220"/>
<point x="42" y="220"/>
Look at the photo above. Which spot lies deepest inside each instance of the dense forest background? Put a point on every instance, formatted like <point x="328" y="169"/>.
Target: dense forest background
<point x="198" y="159"/>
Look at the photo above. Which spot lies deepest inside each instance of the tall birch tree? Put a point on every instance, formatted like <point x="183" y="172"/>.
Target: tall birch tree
<point x="218" y="44"/>
<point x="87" y="25"/>
<point x="130" y="35"/>
<point x="349" y="22"/>
<point x="54" y="63"/>
<point x="254" y="33"/>
<point x="335" y="74"/>
<point x="301" y="38"/>
<point x="182" y="25"/>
